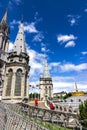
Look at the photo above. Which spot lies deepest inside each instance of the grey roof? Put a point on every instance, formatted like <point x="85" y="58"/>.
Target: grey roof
<point x="74" y="101"/>
<point x="46" y="70"/>
<point x="19" y="44"/>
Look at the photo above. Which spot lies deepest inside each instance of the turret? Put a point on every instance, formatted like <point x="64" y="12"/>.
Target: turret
<point x="17" y="70"/>
<point x="46" y="84"/>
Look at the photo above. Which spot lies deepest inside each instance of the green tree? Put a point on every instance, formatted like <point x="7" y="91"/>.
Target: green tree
<point x="83" y="113"/>
<point x="67" y="95"/>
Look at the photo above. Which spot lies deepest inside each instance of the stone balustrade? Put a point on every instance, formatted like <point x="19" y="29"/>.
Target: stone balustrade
<point x="11" y="120"/>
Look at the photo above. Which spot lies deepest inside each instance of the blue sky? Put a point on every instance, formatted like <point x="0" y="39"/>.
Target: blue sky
<point x="57" y="30"/>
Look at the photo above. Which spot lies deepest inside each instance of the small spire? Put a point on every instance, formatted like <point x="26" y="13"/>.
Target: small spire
<point x="22" y="19"/>
<point x="46" y="70"/>
<point x="19" y="44"/>
<point x="4" y="19"/>
<point x="76" y="87"/>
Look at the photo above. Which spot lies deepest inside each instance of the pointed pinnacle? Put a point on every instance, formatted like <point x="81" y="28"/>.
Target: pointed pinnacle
<point x="4" y="19"/>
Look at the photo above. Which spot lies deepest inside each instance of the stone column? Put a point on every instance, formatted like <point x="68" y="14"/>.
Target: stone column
<point x="27" y="87"/>
<point x="5" y="86"/>
<point x="22" y="85"/>
<point x="13" y="84"/>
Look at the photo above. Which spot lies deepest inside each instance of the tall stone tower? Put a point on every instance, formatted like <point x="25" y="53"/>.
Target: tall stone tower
<point x="17" y="70"/>
<point x="46" y="85"/>
<point x="4" y="41"/>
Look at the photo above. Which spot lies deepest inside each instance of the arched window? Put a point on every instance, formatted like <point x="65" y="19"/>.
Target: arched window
<point x="9" y="82"/>
<point x="18" y="82"/>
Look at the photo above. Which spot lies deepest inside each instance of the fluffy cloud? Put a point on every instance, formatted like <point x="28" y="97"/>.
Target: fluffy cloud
<point x="65" y="38"/>
<point x="67" y="67"/>
<point x="68" y="40"/>
<point x="84" y="52"/>
<point x="36" y="63"/>
<point x="30" y="28"/>
<point x="70" y="44"/>
<point x="67" y="86"/>
<point x="14" y="22"/>
<point x="71" y="67"/>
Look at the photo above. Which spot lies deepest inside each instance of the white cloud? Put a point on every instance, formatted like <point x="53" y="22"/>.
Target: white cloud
<point x="71" y="67"/>
<point x="63" y="78"/>
<point x="62" y="86"/>
<point x="67" y="67"/>
<point x="43" y="49"/>
<point x="84" y="52"/>
<point x="70" y="44"/>
<point x="14" y="22"/>
<point x="73" y="21"/>
<point x="54" y="64"/>
<point x="67" y="86"/>
<point x="65" y="38"/>
<point x="30" y="28"/>
<point x="10" y="46"/>
<point x="38" y="37"/>
<point x="36" y="63"/>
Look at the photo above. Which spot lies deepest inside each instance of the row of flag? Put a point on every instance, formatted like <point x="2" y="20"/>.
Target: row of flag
<point x="34" y="87"/>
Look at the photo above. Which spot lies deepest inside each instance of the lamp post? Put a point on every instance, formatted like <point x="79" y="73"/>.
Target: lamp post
<point x="38" y="85"/>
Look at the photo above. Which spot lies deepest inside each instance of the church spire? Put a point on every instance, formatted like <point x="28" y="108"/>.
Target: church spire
<point x="46" y="70"/>
<point x="4" y="19"/>
<point x="76" y="87"/>
<point x="19" y="44"/>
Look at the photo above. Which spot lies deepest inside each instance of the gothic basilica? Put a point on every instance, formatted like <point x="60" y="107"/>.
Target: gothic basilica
<point x="14" y="67"/>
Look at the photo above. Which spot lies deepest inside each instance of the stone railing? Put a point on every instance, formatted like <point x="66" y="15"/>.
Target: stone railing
<point x="63" y="118"/>
<point x="10" y="120"/>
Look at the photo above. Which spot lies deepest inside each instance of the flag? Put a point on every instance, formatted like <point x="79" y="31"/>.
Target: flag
<point x="39" y="88"/>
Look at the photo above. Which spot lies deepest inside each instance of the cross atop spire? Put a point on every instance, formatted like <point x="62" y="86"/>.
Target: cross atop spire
<point x="4" y="19"/>
<point x="21" y="18"/>
<point x="19" y="44"/>
<point x="46" y="70"/>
